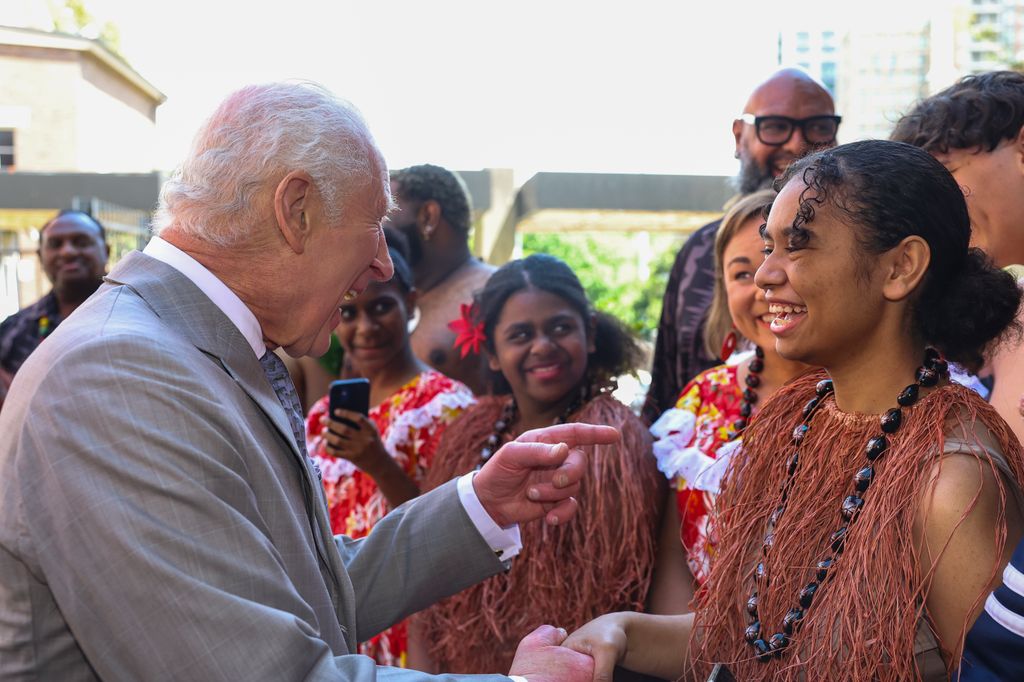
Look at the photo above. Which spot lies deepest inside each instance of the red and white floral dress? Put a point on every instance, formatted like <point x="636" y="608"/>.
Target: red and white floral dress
<point x="693" y="443"/>
<point x="411" y="422"/>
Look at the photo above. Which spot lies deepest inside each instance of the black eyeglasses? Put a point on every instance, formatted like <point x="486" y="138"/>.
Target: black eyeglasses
<point x="777" y="130"/>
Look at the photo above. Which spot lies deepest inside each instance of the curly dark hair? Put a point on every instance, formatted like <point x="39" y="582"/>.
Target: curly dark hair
<point x="616" y="350"/>
<point x="888" y="191"/>
<point x="428" y="182"/>
<point x="977" y="112"/>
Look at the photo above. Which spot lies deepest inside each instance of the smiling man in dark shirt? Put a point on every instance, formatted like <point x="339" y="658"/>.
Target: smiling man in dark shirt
<point x="73" y="251"/>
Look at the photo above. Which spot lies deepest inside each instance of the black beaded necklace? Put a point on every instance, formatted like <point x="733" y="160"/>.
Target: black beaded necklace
<point x="508" y="416"/>
<point x="752" y="381"/>
<point x="928" y="375"/>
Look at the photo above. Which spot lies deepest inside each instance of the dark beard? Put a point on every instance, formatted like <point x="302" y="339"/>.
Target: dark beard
<point x="752" y="177"/>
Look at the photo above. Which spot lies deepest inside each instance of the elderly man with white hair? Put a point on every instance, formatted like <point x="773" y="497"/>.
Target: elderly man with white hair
<point x="159" y="517"/>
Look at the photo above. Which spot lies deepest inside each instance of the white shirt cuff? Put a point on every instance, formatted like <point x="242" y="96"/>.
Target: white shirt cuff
<point x="518" y="678"/>
<point x="506" y="542"/>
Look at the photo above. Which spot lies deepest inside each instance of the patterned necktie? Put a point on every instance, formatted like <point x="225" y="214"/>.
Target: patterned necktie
<point x="282" y="384"/>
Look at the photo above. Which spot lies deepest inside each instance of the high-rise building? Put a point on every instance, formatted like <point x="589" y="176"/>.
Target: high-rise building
<point x="877" y="70"/>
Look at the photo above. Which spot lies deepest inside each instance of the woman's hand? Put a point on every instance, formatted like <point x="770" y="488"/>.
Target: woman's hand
<point x="605" y="640"/>
<point x="352" y="436"/>
<point x="641" y="642"/>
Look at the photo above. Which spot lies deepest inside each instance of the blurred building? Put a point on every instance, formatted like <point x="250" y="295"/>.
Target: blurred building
<point x="77" y="130"/>
<point x="876" y="69"/>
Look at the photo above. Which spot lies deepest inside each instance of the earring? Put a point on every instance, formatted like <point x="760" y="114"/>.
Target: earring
<point x="428" y="231"/>
<point x="729" y="344"/>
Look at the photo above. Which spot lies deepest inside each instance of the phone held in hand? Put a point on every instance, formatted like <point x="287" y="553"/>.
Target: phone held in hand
<point x="350" y="394"/>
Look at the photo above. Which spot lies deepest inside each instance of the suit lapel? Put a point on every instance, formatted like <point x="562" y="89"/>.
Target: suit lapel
<point x="184" y="307"/>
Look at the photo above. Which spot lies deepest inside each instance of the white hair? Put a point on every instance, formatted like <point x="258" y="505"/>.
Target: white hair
<point x="256" y="136"/>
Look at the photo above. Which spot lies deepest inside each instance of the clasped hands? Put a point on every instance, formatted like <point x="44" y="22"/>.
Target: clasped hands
<point x="535" y="476"/>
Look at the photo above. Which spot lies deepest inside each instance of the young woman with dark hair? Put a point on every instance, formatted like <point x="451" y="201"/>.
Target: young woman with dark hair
<point x="556" y="359"/>
<point x="371" y="464"/>
<point x="694" y="439"/>
<point x="875" y="503"/>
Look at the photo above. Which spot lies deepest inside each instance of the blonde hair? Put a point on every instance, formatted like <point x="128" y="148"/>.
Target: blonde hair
<point x="719" y="321"/>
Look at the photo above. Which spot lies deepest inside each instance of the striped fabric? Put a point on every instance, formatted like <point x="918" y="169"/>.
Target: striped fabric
<point x="994" y="649"/>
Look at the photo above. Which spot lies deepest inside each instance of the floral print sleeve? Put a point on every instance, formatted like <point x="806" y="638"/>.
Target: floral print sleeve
<point x="692" y="445"/>
<point x="411" y="422"/>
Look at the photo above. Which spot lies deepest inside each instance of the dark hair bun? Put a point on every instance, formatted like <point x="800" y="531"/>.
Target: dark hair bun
<point x="975" y="310"/>
<point x="891" y="190"/>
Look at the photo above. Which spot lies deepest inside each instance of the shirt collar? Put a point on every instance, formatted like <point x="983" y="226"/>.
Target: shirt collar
<point x="218" y="292"/>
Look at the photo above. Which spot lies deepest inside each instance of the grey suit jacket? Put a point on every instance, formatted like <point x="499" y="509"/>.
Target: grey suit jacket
<point x="157" y="520"/>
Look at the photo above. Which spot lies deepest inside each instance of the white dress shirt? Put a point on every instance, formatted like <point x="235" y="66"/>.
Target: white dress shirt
<point x="506" y="542"/>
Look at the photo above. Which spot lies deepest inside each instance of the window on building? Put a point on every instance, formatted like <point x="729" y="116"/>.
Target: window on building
<point x="6" y="149"/>
<point x="828" y="76"/>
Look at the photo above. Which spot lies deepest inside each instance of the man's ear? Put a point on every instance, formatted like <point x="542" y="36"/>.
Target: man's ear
<point x="906" y="265"/>
<point x="1018" y="145"/>
<point x="428" y="217"/>
<point x="737" y="133"/>
<point x="292" y="201"/>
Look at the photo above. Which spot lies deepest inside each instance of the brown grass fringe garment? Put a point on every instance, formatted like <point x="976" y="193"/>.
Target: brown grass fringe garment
<point x="601" y="561"/>
<point x="862" y="623"/>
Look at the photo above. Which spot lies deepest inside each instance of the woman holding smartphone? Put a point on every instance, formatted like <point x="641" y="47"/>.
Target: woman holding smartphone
<point x="371" y="464"/>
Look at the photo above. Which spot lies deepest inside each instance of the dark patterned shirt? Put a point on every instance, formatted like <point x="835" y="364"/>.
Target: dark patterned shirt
<point x="21" y="332"/>
<point x="679" y="353"/>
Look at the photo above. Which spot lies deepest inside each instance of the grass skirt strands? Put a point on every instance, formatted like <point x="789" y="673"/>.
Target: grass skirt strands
<point x="600" y="561"/>
<point x="866" y="614"/>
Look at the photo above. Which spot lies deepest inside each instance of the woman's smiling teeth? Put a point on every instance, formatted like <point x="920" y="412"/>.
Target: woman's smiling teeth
<point x="786" y="309"/>
<point x="545" y="371"/>
<point x="786" y="316"/>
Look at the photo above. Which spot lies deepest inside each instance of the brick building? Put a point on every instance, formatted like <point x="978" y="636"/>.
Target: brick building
<point x="77" y="130"/>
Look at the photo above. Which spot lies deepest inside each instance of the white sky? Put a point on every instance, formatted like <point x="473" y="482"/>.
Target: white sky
<point x="557" y="85"/>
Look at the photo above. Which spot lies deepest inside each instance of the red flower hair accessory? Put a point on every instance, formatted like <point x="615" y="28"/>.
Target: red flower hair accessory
<point x="469" y="334"/>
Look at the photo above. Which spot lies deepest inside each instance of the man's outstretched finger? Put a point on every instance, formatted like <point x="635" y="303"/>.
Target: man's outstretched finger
<point x="516" y="455"/>
<point x="575" y="435"/>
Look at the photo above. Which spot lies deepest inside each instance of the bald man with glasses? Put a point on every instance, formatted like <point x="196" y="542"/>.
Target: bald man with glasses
<point x="786" y="117"/>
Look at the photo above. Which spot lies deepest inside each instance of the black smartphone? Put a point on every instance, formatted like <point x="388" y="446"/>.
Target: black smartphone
<point x="350" y="394"/>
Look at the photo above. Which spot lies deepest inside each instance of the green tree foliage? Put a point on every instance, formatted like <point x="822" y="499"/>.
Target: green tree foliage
<point x="72" y="16"/>
<point x="611" y="268"/>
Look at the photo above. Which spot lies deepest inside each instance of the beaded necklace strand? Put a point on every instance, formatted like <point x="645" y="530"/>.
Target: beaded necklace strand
<point x="928" y="375"/>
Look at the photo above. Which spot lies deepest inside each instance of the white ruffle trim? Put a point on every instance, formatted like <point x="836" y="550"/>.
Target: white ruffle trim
<point x="333" y="469"/>
<point x="675" y="456"/>
<point x="681" y="422"/>
<point x="410" y="421"/>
